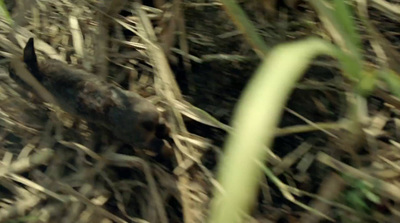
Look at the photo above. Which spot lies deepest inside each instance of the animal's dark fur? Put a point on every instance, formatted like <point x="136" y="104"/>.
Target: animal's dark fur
<point x="130" y="117"/>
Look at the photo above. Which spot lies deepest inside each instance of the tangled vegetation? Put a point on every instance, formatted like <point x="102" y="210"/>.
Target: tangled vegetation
<point x="263" y="111"/>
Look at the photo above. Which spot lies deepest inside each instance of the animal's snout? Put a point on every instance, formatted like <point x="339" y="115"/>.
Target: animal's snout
<point x="156" y="128"/>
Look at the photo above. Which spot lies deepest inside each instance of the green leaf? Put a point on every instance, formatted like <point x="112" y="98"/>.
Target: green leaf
<point x="4" y="12"/>
<point x="393" y="81"/>
<point x="254" y="122"/>
<point x="372" y="197"/>
<point x="367" y="83"/>
<point x="355" y="200"/>
<point x="338" y="17"/>
<point x="345" y="18"/>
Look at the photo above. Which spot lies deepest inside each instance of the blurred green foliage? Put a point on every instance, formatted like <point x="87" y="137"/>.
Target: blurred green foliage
<point x="4" y="12"/>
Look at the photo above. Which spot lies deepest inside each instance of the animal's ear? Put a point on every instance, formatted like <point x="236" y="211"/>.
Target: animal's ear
<point x="30" y="58"/>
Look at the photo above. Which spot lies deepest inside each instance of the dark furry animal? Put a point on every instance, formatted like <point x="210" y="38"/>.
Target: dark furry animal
<point x="130" y="117"/>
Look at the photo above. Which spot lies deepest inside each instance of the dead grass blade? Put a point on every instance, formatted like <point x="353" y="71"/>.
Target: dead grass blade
<point x="199" y="115"/>
<point x="167" y="87"/>
<point x="129" y="161"/>
<point x="25" y="164"/>
<point x="393" y="10"/>
<point x="288" y="195"/>
<point x="69" y="190"/>
<point x="384" y="188"/>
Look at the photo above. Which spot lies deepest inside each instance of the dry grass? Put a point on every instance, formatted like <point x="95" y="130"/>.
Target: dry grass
<point x="54" y="169"/>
